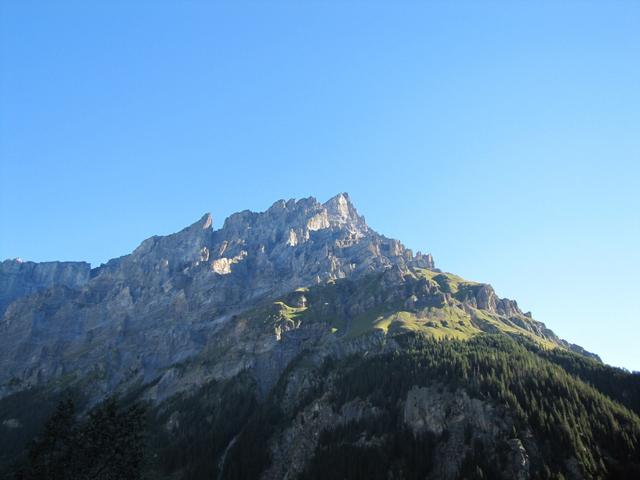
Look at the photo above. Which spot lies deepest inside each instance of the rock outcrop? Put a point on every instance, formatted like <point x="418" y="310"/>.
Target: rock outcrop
<point x="436" y="410"/>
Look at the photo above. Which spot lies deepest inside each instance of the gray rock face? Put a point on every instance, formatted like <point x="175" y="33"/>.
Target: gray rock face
<point x="20" y="279"/>
<point x="132" y="318"/>
<point x="465" y="419"/>
<point x="294" y="447"/>
<point x="304" y="242"/>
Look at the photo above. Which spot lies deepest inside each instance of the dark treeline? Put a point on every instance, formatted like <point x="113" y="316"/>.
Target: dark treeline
<point x="397" y="451"/>
<point x="617" y="383"/>
<point x="106" y="444"/>
<point x="570" y="417"/>
<point x="189" y="433"/>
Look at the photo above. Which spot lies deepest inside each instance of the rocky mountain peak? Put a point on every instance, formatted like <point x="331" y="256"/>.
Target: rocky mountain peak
<point x="205" y="222"/>
<point x="304" y="242"/>
<point x="302" y="214"/>
<point x="341" y="211"/>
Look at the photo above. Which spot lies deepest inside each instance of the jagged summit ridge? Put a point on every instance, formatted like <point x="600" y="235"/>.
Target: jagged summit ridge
<point x="341" y="211"/>
<point x="329" y="240"/>
<point x="287" y="236"/>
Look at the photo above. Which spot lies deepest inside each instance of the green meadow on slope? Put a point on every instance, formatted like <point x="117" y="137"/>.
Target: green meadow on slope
<point x="451" y="318"/>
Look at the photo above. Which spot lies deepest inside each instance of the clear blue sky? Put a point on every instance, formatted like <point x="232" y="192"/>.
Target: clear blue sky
<point x="503" y="137"/>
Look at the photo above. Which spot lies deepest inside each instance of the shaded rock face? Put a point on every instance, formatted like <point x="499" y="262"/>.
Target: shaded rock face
<point x="483" y="296"/>
<point x="20" y="279"/>
<point x="293" y="448"/>
<point x="465" y="420"/>
<point x="132" y="318"/>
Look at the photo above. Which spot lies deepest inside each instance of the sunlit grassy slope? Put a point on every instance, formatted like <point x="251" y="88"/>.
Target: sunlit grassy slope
<point x="349" y="309"/>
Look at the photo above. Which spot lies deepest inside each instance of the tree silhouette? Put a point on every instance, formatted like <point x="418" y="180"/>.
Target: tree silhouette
<point x="106" y="445"/>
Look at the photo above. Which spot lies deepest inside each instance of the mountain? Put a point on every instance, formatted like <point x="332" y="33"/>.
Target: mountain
<point x="300" y="343"/>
